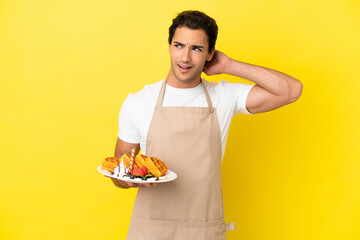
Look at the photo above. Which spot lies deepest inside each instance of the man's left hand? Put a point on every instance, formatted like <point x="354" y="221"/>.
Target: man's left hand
<point x="217" y="65"/>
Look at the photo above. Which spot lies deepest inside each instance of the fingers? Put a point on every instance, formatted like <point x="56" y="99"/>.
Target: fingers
<point x="141" y="184"/>
<point x="130" y="184"/>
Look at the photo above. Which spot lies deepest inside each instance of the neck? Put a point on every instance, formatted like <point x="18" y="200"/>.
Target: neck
<point x="176" y="83"/>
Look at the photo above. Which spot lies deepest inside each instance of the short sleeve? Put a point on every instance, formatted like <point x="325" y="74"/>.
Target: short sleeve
<point x="242" y="92"/>
<point x="127" y="130"/>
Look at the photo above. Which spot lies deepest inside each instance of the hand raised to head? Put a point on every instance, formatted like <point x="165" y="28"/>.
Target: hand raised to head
<point x="217" y="65"/>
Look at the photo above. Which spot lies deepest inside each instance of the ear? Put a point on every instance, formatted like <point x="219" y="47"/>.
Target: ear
<point x="210" y="55"/>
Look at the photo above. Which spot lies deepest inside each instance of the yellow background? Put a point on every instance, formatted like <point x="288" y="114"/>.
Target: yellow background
<point x="67" y="66"/>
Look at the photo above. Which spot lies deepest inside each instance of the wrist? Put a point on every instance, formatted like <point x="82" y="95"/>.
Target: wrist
<point x="229" y="66"/>
<point x="240" y="69"/>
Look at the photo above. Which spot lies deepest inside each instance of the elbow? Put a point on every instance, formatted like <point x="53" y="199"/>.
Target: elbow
<point x="295" y="92"/>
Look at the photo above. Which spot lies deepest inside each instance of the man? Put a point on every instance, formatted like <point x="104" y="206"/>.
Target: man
<point x="184" y="121"/>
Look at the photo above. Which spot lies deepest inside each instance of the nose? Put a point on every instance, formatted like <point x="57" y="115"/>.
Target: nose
<point x="185" y="55"/>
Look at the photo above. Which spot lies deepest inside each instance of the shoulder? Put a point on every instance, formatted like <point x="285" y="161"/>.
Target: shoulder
<point x="145" y="96"/>
<point x="225" y="87"/>
<point x="230" y="96"/>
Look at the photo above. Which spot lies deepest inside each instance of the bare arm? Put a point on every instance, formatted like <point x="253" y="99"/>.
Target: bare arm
<point x="273" y="88"/>
<point x="125" y="147"/>
<point x="120" y="149"/>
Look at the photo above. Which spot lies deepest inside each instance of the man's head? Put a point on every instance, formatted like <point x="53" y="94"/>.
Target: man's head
<point x="195" y="20"/>
<point x="192" y="39"/>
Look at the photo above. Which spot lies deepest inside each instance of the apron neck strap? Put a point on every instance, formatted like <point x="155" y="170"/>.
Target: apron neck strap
<point x="162" y="93"/>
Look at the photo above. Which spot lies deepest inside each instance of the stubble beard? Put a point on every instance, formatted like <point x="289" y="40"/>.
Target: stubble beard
<point x="181" y="78"/>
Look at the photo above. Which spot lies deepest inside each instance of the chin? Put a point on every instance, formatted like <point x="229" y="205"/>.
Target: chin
<point x="180" y="77"/>
<point x="184" y="78"/>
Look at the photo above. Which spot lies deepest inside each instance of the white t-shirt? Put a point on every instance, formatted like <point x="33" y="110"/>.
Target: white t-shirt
<point x="137" y="110"/>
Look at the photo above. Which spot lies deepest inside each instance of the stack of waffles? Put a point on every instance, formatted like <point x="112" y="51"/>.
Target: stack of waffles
<point x="154" y="165"/>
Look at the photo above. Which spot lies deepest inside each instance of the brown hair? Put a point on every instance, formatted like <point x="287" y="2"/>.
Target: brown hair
<point x="195" y="20"/>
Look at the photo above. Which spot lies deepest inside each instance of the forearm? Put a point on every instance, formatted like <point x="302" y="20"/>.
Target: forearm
<point x="275" y="82"/>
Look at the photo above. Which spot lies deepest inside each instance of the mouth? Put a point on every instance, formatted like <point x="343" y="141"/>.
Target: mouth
<point x="184" y="68"/>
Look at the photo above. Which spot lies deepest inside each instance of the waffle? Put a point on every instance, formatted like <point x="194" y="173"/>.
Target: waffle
<point x="126" y="159"/>
<point x="140" y="159"/>
<point x="155" y="166"/>
<point x="110" y="163"/>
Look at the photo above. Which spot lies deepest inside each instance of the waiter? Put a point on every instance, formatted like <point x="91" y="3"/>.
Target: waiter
<point x="184" y="121"/>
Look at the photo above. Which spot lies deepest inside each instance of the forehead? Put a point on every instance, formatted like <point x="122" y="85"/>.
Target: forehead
<point x="191" y="36"/>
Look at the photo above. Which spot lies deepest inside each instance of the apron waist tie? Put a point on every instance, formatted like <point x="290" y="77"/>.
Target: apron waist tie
<point x="230" y="226"/>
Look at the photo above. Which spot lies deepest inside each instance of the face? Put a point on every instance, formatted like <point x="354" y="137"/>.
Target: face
<point x="188" y="54"/>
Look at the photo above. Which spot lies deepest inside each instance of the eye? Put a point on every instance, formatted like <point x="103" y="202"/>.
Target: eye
<point x="197" y="49"/>
<point x="177" y="45"/>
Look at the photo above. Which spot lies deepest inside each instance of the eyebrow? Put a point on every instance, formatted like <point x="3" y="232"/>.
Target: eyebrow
<point x="196" y="46"/>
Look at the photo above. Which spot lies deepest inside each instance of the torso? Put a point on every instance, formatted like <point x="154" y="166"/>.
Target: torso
<point x="228" y="99"/>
